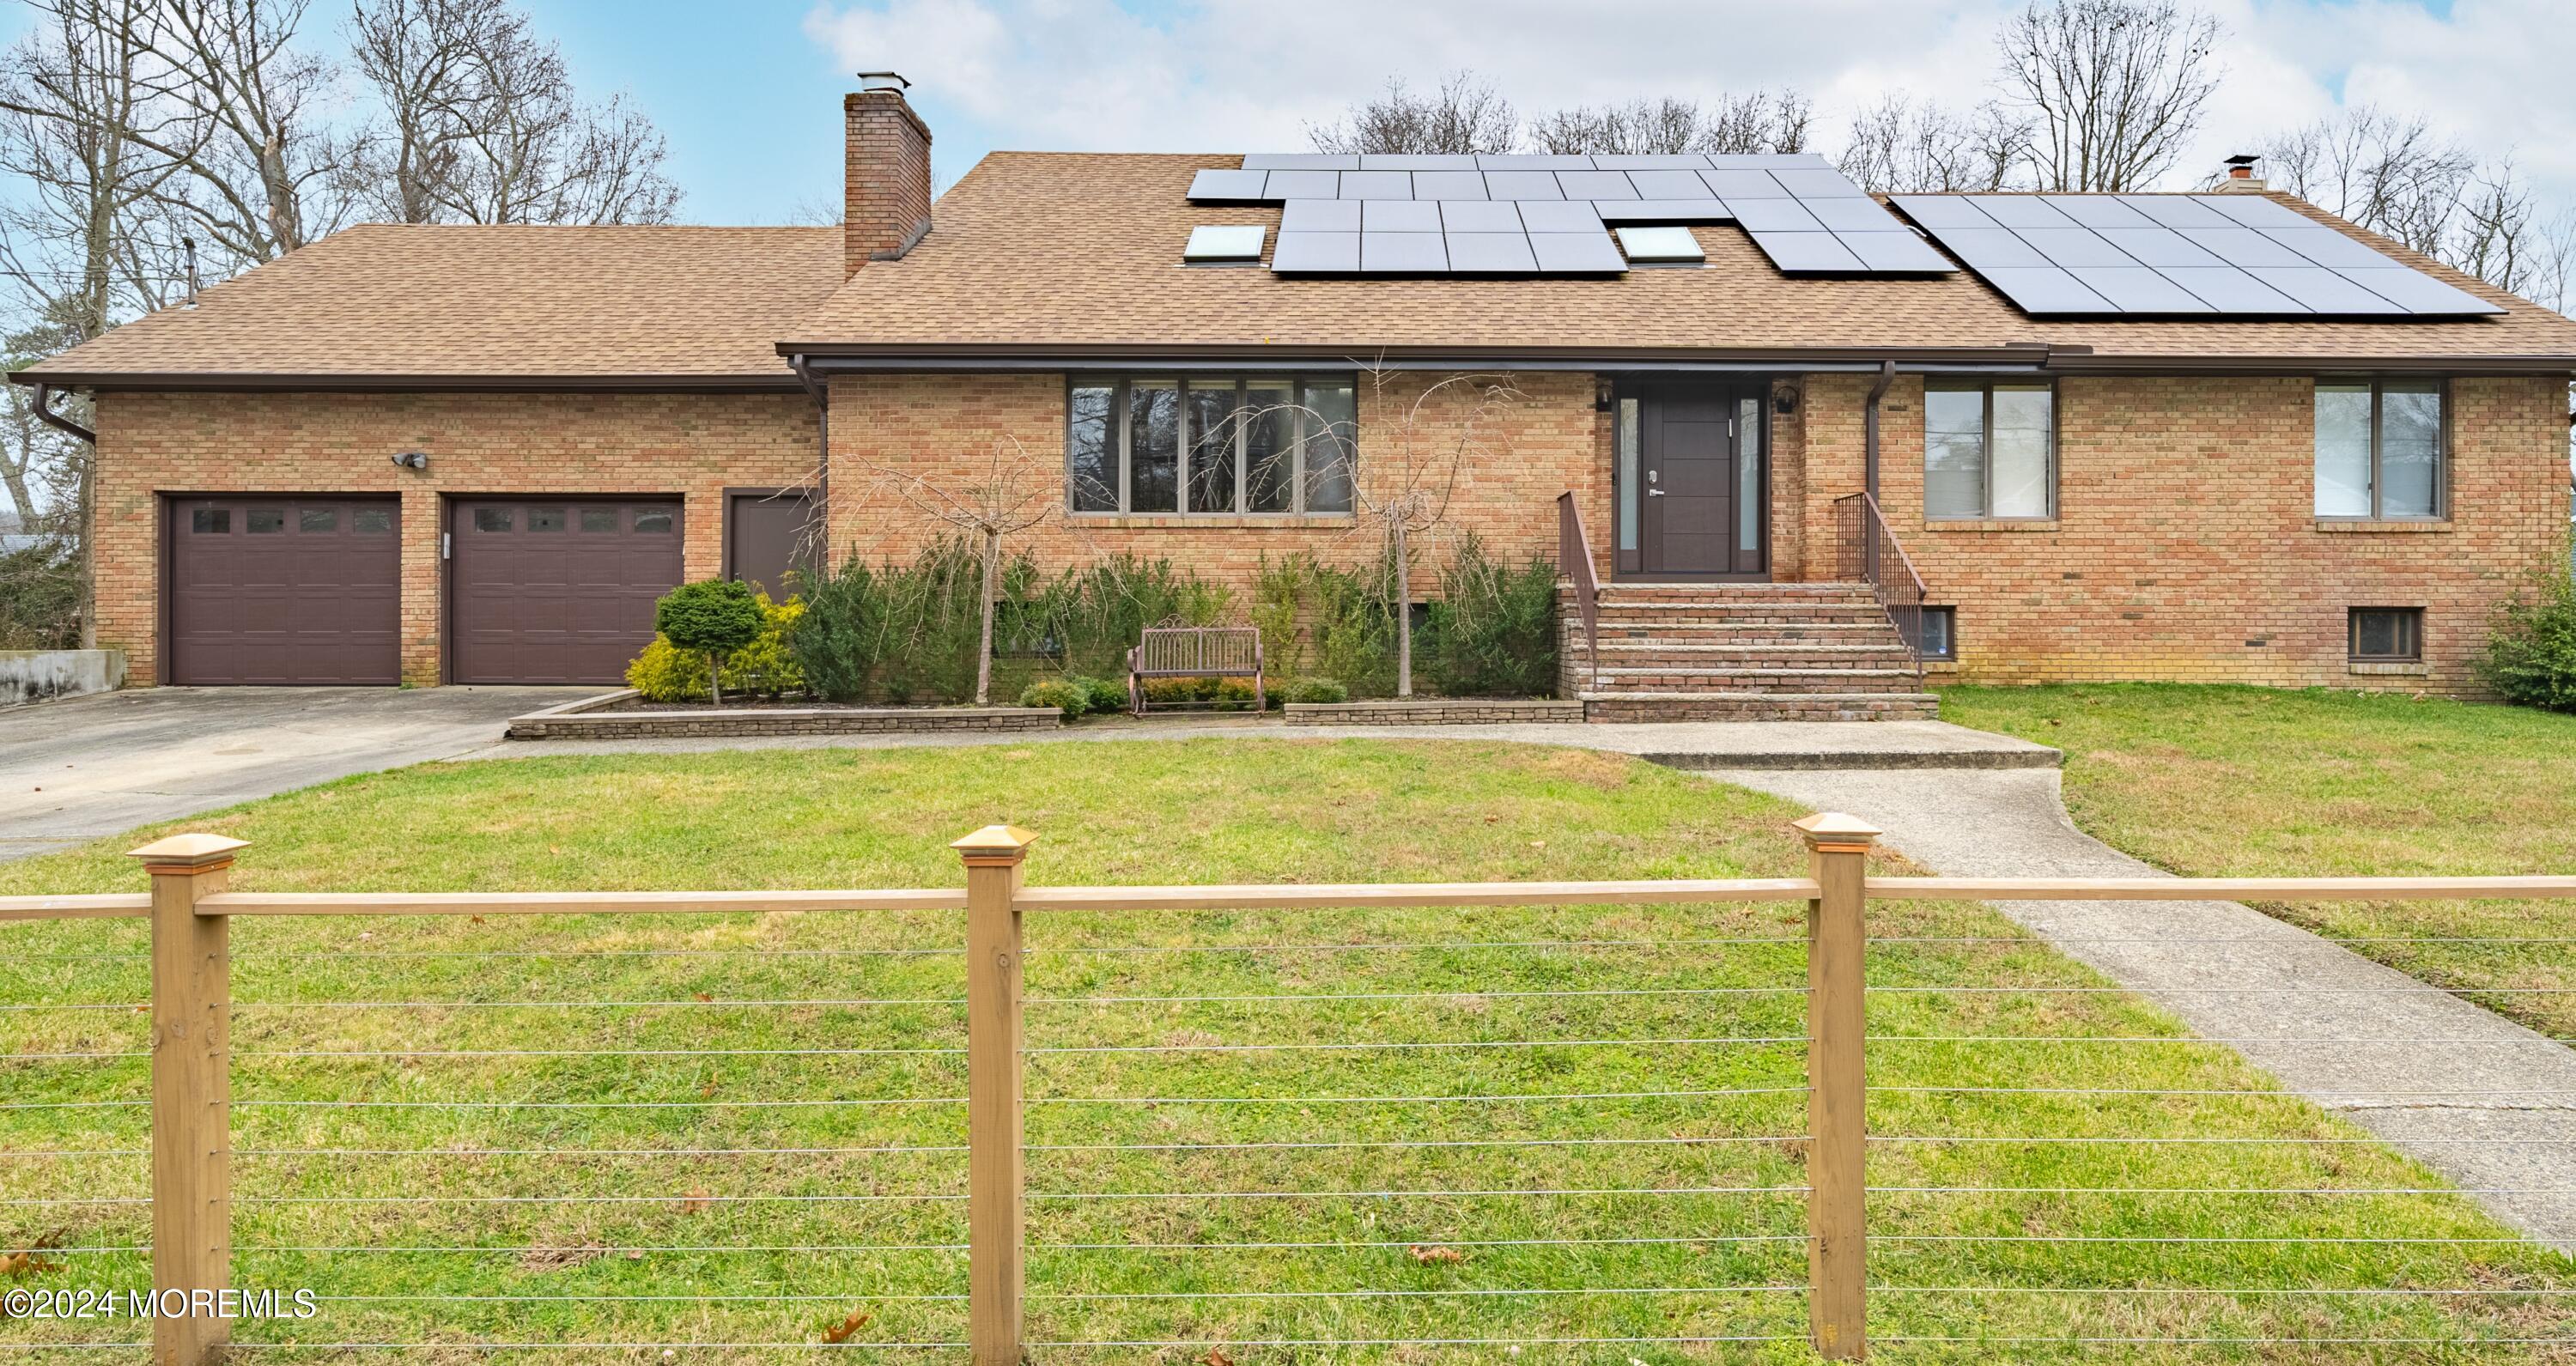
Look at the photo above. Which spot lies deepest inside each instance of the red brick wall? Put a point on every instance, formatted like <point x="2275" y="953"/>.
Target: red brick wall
<point x="2186" y="546"/>
<point x="960" y="433"/>
<point x="694" y="445"/>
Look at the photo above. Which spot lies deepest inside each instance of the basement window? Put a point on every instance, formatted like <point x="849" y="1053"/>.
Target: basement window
<point x="1940" y="633"/>
<point x="2387" y="635"/>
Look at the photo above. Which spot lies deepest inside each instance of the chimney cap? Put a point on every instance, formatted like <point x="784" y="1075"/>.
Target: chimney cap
<point x="2242" y="163"/>
<point x="883" y="80"/>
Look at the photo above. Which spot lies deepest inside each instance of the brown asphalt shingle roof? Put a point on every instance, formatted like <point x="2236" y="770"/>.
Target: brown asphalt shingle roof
<point x="1035" y="248"/>
<point x="1033" y="251"/>
<point x="509" y="302"/>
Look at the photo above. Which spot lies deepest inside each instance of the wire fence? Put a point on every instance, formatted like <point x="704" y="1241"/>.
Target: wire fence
<point x="1610" y="1120"/>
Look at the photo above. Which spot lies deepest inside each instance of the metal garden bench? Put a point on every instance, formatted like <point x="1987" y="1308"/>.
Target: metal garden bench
<point x="1195" y="652"/>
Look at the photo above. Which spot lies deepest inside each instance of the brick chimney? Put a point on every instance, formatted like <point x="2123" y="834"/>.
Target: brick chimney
<point x="2240" y="177"/>
<point x="887" y="179"/>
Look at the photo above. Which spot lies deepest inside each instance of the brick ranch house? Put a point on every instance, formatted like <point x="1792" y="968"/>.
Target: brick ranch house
<point x="464" y="454"/>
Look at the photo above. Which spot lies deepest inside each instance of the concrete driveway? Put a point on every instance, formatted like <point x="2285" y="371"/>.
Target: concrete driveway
<point x="83" y="767"/>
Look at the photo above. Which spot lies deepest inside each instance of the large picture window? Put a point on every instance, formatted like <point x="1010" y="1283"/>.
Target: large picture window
<point x="2380" y="449"/>
<point x="1211" y="447"/>
<point x="1989" y="451"/>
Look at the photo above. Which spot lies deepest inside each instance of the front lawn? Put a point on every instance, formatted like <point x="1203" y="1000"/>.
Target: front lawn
<point x="2257" y="782"/>
<point x="569" y="1172"/>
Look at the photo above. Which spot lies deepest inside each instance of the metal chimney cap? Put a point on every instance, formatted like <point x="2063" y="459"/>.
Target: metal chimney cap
<point x="883" y="80"/>
<point x="2243" y="159"/>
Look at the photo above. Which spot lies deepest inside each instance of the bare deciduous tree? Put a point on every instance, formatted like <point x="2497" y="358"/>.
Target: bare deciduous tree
<point x="1762" y="121"/>
<point x="2389" y="174"/>
<point x="483" y="125"/>
<point x="1465" y="114"/>
<point x="1011" y="493"/>
<point x="1902" y="145"/>
<point x="2113" y="88"/>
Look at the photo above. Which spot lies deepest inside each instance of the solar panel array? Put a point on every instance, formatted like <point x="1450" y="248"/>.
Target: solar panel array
<point x="2152" y="255"/>
<point x="1546" y="214"/>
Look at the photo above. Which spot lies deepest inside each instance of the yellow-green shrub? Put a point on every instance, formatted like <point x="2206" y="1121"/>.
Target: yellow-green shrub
<point x="667" y="673"/>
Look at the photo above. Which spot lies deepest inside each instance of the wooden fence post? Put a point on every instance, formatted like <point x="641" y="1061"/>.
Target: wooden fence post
<point x="1837" y="1131"/>
<point x="192" y="998"/>
<point x="993" y="1177"/>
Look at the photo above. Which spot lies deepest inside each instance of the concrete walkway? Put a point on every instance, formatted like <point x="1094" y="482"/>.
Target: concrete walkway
<point x="2461" y="1089"/>
<point x="1686" y="744"/>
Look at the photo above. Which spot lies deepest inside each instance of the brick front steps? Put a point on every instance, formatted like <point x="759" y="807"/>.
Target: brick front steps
<point x="591" y="719"/>
<point x="1741" y="652"/>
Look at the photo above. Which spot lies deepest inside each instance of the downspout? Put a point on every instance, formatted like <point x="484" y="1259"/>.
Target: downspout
<point x="822" y="396"/>
<point x="45" y="413"/>
<point x="1869" y="427"/>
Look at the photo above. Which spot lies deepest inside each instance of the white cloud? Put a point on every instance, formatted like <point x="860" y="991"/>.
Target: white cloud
<point x="1235" y="75"/>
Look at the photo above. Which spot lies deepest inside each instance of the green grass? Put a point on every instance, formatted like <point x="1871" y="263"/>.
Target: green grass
<point x="1232" y="810"/>
<point x="2258" y="782"/>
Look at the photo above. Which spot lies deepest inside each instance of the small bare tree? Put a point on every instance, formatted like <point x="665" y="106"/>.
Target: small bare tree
<point x="1902" y="146"/>
<point x="1425" y="440"/>
<point x="1009" y="494"/>
<point x="1465" y="114"/>
<point x="2114" y="88"/>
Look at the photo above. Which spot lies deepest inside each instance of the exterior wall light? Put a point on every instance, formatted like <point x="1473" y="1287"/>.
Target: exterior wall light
<point x="412" y="460"/>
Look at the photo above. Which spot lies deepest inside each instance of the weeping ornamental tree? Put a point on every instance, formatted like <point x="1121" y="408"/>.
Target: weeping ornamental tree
<point x="713" y="616"/>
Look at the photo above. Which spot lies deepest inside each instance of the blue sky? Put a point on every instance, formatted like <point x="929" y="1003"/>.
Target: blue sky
<point x="749" y="92"/>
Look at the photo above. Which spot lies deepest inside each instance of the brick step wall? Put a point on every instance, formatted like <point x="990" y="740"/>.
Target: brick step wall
<point x="1667" y="655"/>
<point x="1754" y="679"/>
<point x="1745" y="633"/>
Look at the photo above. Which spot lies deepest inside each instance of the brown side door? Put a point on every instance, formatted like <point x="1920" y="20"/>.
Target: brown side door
<point x="771" y="540"/>
<point x="556" y="590"/>
<point x="297" y="590"/>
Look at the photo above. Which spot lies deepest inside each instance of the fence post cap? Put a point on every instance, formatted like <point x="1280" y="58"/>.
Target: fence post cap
<point x="995" y="844"/>
<point x="189" y="852"/>
<point x="1836" y="832"/>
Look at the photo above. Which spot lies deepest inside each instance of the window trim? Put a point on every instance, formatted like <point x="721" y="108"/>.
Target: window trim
<point x="1985" y="388"/>
<point x="1121" y="386"/>
<point x="2414" y="632"/>
<point x="2378" y="386"/>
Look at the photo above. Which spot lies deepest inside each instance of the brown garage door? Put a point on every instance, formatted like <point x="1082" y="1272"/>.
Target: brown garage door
<point x="300" y="590"/>
<point x="557" y="590"/>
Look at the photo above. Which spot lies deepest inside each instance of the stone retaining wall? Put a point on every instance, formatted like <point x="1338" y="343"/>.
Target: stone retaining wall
<point x="584" y="720"/>
<point x="1435" y="712"/>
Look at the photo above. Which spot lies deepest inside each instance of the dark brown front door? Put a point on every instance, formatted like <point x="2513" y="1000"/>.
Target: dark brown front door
<point x="301" y="589"/>
<point x="771" y="540"/>
<point x="1703" y="486"/>
<point x="557" y="590"/>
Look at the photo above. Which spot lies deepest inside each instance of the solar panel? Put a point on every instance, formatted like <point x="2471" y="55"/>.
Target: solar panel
<point x="1807" y="251"/>
<point x="1555" y="215"/>
<point x="1345" y="214"/>
<point x="1774" y="215"/>
<point x="2175" y="256"/>
<point x="1319" y="215"/>
<point x="1522" y="185"/>
<point x="1227" y="187"/>
<point x="1596" y="185"/>
<point x="1576" y="253"/>
<point x="1399" y="215"/>
<point x="1663" y="211"/>
<point x="1449" y="185"/>
<point x="1491" y="253"/>
<point x="2045" y="289"/>
<point x="1377" y="185"/>
<point x="1402" y="253"/>
<point x="1479" y="215"/>
<point x="1316" y="253"/>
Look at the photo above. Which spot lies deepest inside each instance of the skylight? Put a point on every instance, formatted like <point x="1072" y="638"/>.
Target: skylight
<point x="1660" y="246"/>
<point x="1210" y="242"/>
